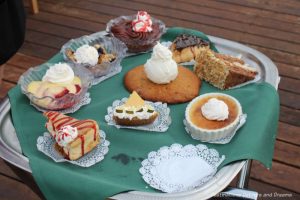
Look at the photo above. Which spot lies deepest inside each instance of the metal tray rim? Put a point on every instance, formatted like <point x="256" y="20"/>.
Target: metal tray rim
<point x="225" y="175"/>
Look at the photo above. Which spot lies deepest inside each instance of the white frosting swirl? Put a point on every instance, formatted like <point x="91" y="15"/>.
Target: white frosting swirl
<point x="86" y="55"/>
<point x="215" y="109"/>
<point x="161" y="68"/>
<point x="142" y="22"/>
<point x="59" y="73"/>
<point x="66" y="135"/>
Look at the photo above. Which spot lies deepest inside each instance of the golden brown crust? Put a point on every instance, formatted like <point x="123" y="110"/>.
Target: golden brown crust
<point x="187" y="54"/>
<point x="183" y="89"/>
<point x="135" y="121"/>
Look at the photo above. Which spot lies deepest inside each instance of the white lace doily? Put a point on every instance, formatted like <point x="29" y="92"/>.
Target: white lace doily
<point x="113" y="72"/>
<point x="224" y="140"/>
<point x="180" y="168"/>
<point x="85" y="100"/>
<point x="161" y="124"/>
<point x="46" y="145"/>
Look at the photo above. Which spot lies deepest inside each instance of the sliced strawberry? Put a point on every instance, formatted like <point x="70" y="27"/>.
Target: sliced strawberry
<point x="78" y="88"/>
<point x="68" y="105"/>
<point x="62" y="93"/>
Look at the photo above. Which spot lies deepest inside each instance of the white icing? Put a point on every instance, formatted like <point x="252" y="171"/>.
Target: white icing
<point x="215" y="109"/>
<point x="66" y="135"/>
<point x="87" y="55"/>
<point x="140" y="115"/>
<point x="59" y="73"/>
<point x="142" y="22"/>
<point x="161" y="68"/>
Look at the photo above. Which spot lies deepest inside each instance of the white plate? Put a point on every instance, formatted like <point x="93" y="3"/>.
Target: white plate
<point x="161" y="124"/>
<point x="46" y="145"/>
<point x="180" y="168"/>
<point x="223" y="140"/>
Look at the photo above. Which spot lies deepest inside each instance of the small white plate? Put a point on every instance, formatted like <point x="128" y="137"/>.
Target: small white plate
<point x="161" y="124"/>
<point x="46" y="145"/>
<point x="180" y="168"/>
<point x="223" y="140"/>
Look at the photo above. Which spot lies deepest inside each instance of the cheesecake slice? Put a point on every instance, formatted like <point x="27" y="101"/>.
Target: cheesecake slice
<point x="134" y="112"/>
<point x="74" y="138"/>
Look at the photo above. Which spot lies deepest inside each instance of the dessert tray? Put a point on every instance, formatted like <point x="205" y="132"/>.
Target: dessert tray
<point x="11" y="151"/>
<point x="46" y="145"/>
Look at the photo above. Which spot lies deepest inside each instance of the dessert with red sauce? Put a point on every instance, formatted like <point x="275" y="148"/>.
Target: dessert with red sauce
<point x="74" y="138"/>
<point x="59" y="88"/>
<point x="139" y="32"/>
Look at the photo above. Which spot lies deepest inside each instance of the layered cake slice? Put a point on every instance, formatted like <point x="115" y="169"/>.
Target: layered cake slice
<point x="74" y="138"/>
<point x="222" y="71"/>
<point x="134" y="112"/>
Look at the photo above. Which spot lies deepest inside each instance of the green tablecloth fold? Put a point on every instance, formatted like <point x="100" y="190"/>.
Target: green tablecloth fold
<point x="118" y="172"/>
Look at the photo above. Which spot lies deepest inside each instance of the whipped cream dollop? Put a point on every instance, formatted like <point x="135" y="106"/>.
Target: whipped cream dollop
<point x="87" y="55"/>
<point x="59" y="73"/>
<point x="66" y="135"/>
<point x="215" y="109"/>
<point x="161" y="68"/>
<point x="142" y="22"/>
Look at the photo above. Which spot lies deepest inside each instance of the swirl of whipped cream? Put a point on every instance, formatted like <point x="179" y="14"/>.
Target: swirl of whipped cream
<point x="59" y="73"/>
<point x="66" y="135"/>
<point x="86" y="55"/>
<point x="215" y="109"/>
<point x="161" y="68"/>
<point x="142" y="22"/>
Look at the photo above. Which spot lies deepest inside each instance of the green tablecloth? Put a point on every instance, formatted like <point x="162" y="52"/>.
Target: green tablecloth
<point x="118" y="172"/>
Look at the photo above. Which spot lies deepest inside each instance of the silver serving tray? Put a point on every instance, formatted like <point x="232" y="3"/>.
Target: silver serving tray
<point x="11" y="151"/>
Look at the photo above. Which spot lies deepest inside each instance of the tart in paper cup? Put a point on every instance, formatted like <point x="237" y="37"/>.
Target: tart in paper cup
<point x="210" y="130"/>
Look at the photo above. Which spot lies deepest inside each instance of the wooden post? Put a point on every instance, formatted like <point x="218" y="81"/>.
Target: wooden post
<point x="34" y="6"/>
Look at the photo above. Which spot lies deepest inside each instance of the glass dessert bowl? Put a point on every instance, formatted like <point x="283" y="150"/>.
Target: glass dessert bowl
<point x="55" y="86"/>
<point x="213" y="116"/>
<point x="139" y="32"/>
<point x="99" y="54"/>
